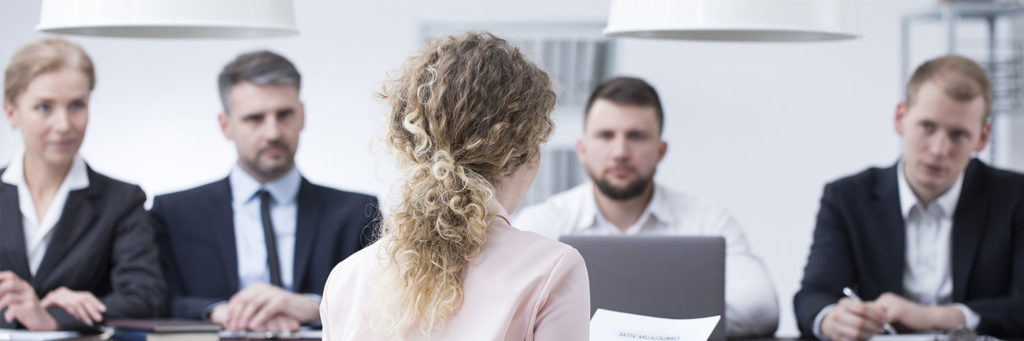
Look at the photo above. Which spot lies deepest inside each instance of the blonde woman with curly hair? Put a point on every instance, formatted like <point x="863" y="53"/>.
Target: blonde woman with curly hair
<point x="468" y="115"/>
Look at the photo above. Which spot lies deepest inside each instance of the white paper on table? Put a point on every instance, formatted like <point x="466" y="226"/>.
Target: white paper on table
<point x="303" y="333"/>
<point x="17" y="334"/>
<point x="908" y="337"/>
<point x="607" y="325"/>
<point x="310" y="334"/>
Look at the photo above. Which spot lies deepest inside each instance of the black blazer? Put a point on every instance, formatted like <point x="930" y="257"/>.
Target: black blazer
<point x="195" y="232"/>
<point x="859" y="241"/>
<point x="103" y="243"/>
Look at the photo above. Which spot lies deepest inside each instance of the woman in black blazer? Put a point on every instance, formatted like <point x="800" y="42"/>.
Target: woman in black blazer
<point x="76" y="247"/>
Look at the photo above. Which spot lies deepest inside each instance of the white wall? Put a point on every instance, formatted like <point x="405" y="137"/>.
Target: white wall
<point x="759" y="127"/>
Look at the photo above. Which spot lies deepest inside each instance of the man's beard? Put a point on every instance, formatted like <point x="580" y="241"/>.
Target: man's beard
<point x="271" y="171"/>
<point x="632" y="190"/>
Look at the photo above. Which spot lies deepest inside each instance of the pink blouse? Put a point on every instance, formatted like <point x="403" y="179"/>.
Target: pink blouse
<point x="522" y="286"/>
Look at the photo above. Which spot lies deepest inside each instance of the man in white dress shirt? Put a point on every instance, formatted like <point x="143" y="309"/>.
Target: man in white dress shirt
<point x="620" y="150"/>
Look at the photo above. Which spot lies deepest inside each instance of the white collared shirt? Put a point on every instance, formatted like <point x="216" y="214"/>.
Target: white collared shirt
<point x="927" y="276"/>
<point x="751" y="304"/>
<point x="38" y="233"/>
<point x="250" y="245"/>
<point x="928" y="271"/>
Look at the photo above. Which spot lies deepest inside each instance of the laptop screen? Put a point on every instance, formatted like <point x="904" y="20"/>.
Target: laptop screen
<point x="661" y="276"/>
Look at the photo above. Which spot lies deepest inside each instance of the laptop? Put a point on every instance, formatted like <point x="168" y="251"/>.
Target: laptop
<point x="661" y="276"/>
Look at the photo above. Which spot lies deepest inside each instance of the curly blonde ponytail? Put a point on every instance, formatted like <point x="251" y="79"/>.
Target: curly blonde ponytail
<point x="465" y="112"/>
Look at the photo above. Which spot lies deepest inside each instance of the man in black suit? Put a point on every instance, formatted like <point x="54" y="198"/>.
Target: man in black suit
<point x="935" y="242"/>
<point x="253" y="251"/>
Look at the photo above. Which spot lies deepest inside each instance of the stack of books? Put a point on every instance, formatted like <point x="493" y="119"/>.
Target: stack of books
<point x="164" y="330"/>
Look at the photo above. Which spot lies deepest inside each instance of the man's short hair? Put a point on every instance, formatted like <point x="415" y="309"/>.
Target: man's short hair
<point x="259" y="68"/>
<point x="627" y="91"/>
<point x="963" y="80"/>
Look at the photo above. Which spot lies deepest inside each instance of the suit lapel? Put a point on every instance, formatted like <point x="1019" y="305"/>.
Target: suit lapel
<point x="889" y="232"/>
<point x="77" y="218"/>
<point x="12" y="237"/>
<point x="222" y="212"/>
<point x="968" y="226"/>
<point x="309" y="210"/>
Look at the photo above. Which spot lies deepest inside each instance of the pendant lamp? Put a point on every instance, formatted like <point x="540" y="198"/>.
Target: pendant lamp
<point x="734" y="20"/>
<point x="169" y="18"/>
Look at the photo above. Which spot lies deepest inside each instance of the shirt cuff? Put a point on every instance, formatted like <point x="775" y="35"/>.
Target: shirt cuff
<point x="971" y="319"/>
<point x="817" y="321"/>
<point x="314" y="297"/>
<point x="209" y="309"/>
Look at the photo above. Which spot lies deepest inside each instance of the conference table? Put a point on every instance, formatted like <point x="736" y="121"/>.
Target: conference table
<point x="98" y="337"/>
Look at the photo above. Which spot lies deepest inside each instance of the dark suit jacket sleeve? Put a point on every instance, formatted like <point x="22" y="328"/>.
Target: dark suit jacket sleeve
<point x="67" y="322"/>
<point x="179" y="305"/>
<point x="1004" y="316"/>
<point x="829" y="267"/>
<point x="137" y="287"/>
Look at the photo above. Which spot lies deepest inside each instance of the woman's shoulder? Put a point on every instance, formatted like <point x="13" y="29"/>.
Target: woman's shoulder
<point x="355" y="267"/>
<point x="531" y="249"/>
<point x="539" y="242"/>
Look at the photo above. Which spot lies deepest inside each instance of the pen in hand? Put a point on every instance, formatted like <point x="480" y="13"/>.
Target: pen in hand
<point x="853" y="296"/>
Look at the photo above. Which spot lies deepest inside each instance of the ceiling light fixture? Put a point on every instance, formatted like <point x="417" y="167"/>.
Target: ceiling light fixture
<point x="169" y="18"/>
<point x="734" y="20"/>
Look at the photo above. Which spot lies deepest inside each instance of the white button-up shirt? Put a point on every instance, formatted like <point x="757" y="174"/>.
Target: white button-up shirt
<point x="928" y="273"/>
<point x="38" y="233"/>
<point x="250" y="245"/>
<point x="751" y="304"/>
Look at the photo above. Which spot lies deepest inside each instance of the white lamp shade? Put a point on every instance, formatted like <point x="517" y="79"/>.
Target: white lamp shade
<point x="169" y="18"/>
<point x="733" y="20"/>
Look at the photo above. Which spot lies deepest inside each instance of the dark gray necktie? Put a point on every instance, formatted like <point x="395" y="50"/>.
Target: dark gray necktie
<point x="270" y="238"/>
